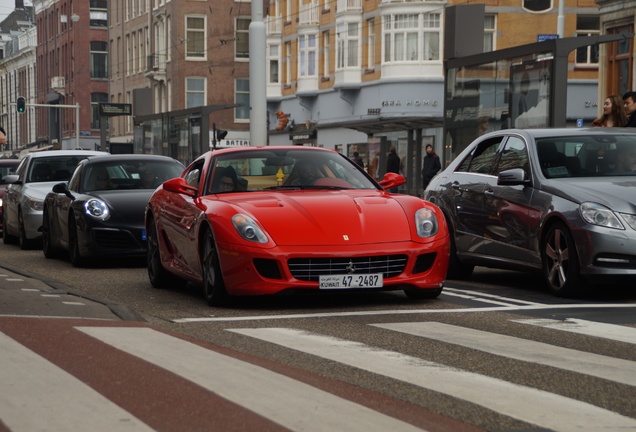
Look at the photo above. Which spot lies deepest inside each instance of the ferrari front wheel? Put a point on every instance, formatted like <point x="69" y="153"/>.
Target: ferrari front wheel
<point x="213" y="285"/>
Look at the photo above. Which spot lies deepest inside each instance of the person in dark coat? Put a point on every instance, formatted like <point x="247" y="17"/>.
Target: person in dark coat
<point x="431" y="166"/>
<point x="393" y="165"/>
<point x="358" y="159"/>
<point x="629" y="102"/>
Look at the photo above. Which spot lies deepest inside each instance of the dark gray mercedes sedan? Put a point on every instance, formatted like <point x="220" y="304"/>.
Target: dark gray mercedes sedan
<point x="559" y="201"/>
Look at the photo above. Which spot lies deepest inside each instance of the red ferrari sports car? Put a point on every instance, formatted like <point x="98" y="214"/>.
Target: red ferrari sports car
<point x="265" y="220"/>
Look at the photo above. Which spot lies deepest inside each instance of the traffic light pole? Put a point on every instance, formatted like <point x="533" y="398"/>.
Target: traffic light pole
<point x="77" y="116"/>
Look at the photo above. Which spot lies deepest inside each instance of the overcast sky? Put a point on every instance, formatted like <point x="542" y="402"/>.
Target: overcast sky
<point x="7" y="6"/>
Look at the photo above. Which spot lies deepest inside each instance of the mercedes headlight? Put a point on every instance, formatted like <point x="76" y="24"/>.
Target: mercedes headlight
<point x="35" y="204"/>
<point x="97" y="208"/>
<point x="597" y="214"/>
<point x="426" y="223"/>
<point x="248" y="229"/>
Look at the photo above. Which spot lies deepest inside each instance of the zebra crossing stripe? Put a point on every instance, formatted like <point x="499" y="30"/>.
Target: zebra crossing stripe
<point x="589" y="328"/>
<point x="609" y="368"/>
<point x="36" y="395"/>
<point x="523" y="403"/>
<point x="283" y="400"/>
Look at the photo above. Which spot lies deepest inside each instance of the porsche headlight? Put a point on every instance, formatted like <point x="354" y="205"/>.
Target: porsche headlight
<point x="97" y="209"/>
<point x="597" y="214"/>
<point x="248" y="229"/>
<point x="426" y="223"/>
<point x="35" y="204"/>
<point x="630" y="219"/>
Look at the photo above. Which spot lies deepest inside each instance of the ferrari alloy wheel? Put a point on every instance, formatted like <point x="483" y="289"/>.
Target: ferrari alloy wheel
<point x="6" y="237"/>
<point x="422" y="294"/>
<point x="73" y="244"/>
<point x="47" y="247"/>
<point x="158" y="275"/>
<point x="24" y="242"/>
<point x="560" y="262"/>
<point x="213" y="285"/>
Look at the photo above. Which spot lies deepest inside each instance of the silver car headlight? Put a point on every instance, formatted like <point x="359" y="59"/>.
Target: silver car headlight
<point x="248" y="229"/>
<point x="35" y="204"/>
<point x="426" y="223"/>
<point x="597" y="214"/>
<point x="630" y="219"/>
<point x="97" y="208"/>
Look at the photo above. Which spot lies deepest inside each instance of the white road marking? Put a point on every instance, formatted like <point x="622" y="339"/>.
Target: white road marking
<point x="36" y="395"/>
<point x="609" y="368"/>
<point x="407" y="312"/>
<point x="589" y="328"/>
<point x="534" y="406"/>
<point x="480" y="296"/>
<point x="72" y="303"/>
<point x="290" y="403"/>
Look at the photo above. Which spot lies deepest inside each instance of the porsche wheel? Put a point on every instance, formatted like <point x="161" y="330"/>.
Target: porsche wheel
<point x="561" y="262"/>
<point x="159" y="277"/>
<point x="49" y="250"/>
<point x="213" y="285"/>
<point x="6" y="237"/>
<point x="422" y="294"/>
<point x="73" y="244"/>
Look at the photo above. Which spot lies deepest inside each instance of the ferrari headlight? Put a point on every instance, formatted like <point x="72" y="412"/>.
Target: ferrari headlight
<point x="35" y="204"/>
<point x="597" y="214"/>
<point x="630" y="219"/>
<point x="248" y="229"/>
<point x="426" y="223"/>
<point x="97" y="209"/>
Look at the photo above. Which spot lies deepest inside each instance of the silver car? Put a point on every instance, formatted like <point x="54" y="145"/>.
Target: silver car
<point x="559" y="201"/>
<point x="24" y="198"/>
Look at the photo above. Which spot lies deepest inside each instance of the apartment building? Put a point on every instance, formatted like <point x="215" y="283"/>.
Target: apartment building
<point x="362" y="75"/>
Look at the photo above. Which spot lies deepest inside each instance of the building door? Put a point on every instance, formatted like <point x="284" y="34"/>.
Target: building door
<point x="620" y="57"/>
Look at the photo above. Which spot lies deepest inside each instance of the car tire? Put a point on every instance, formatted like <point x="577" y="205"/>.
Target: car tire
<point x="422" y="294"/>
<point x="25" y="243"/>
<point x="213" y="285"/>
<point x="74" y="253"/>
<point x="560" y="262"/>
<point x="6" y="237"/>
<point x="157" y="274"/>
<point x="49" y="250"/>
<point x="456" y="269"/>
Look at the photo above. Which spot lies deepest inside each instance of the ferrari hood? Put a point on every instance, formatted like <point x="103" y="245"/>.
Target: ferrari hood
<point x="327" y="218"/>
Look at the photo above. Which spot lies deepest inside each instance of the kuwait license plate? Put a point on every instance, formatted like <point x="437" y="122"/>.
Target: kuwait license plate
<point x="373" y="280"/>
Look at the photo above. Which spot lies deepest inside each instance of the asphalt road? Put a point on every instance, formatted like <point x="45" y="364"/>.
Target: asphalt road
<point x="498" y="353"/>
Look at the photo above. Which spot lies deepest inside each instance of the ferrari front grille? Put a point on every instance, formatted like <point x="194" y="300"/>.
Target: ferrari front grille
<point x="310" y="269"/>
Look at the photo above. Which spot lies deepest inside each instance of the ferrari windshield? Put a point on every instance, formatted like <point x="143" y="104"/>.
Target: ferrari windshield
<point x="588" y="155"/>
<point x="286" y="169"/>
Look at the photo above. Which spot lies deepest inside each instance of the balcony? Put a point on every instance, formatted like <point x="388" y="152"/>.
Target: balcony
<point x="58" y="84"/>
<point x="156" y="67"/>
<point x="344" y="6"/>
<point x="274" y="25"/>
<point x="309" y="14"/>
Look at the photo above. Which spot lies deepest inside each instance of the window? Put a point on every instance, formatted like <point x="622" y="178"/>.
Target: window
<point x="98" y="13"/>
<point x="99" y="60"/>
<point x="274" y="64"/>
<point x="242" y="98"/>
<point x="405" y="40"/>
<point x="347" y="43"/>
<point x="326" y="53"/>
<point x="288" y="62"/>
<point x="620" y="58"/>
<point x="307" y="49"/>
<point x="96" y="99"/>
<point x="195" y="37"/>
<point x="537" y="6"/>
<point x="195" y="92"/>
<point x="242" y="37"/>
<point x="587" y="26"/>
<point x="514" y="155"/>
<point x="371" y="44"/>
<point x="490" y="33"/>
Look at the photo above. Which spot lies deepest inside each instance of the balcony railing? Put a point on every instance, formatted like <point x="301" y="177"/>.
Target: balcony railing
<point x="349" y="6"/>
<point x="309" y="14"/>
<point x="274" y="25"/>
<point x="156" y="67"/>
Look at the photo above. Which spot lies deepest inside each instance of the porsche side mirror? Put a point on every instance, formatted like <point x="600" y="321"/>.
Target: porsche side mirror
<point x="63" y="189"/>
<point x="392" y="180"/>
<point x="180" y="186"/>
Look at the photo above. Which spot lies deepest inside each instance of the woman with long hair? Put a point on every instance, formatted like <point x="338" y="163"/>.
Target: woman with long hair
<point x="613" y="113"/>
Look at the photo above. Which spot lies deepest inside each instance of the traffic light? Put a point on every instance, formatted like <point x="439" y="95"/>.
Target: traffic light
<point x="20" y="104"/>
<point x="282" y="120"/>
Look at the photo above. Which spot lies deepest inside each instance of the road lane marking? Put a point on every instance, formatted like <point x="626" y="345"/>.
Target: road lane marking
<point x="527" y="404"/>
<point x="485" y="297"/>
<point x="36" y="395"/>
<point x="406" y="312"/>
<point x="609" y="368"/>
<point x="283" y="400"/>
<point x="588" y="328"/>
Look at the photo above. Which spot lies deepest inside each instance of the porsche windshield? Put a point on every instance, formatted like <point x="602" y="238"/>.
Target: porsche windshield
<point x="286" y="169"/>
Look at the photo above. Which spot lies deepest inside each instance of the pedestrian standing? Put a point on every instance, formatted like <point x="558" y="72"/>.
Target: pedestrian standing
<point x="393" y="165"/>
<point x="613" y="113"/>
<point x="431" y="166"/>
<point x="3" y="136"/>
<point x="358" y="159"/>
<point x="629" y="102"/>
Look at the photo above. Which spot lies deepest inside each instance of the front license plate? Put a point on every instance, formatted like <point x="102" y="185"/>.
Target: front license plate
<point x="351" y="281"/>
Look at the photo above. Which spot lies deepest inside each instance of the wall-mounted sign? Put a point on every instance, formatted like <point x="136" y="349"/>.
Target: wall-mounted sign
<point x="114" y="109"/>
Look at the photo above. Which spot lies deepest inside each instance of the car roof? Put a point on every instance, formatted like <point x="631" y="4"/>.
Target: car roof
<point x="564" y="132"/>
<point x="129" y="157"/>
<point x="273" y="148"/>
<point x="49" y="153"/>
